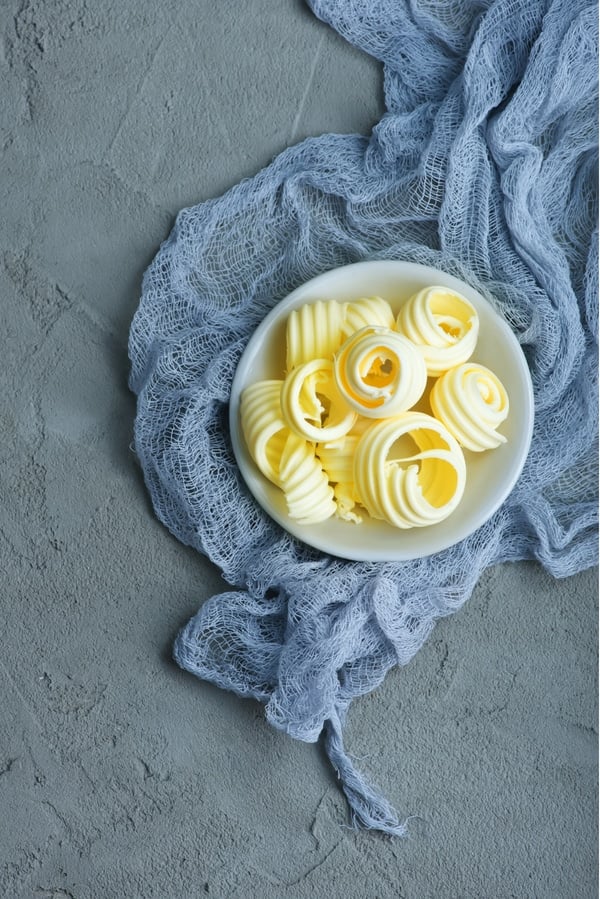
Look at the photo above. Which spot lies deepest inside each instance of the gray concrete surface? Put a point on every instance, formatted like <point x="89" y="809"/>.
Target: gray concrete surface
<point x="121" y="776"/>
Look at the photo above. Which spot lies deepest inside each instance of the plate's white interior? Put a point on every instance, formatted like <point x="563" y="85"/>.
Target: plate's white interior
<point x="490" y="475"/>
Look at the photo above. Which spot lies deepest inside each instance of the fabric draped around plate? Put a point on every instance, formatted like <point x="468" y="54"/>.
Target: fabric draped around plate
<point x="484" y="165"/>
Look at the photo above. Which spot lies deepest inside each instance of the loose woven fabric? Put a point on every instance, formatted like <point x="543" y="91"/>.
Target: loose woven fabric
<point x="484" y="166"/>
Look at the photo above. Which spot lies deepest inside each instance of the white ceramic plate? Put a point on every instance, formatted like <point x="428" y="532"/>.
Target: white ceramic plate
<point x="490" y="475"/>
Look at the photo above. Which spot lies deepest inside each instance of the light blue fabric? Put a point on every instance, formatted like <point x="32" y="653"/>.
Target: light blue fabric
<point x="484" y="165"/>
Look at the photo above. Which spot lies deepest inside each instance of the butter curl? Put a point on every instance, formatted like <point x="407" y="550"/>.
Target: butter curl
<point x="471" y="401"/>
<point x="314" y="331"/>
<point x="286" y="459"/>
<point x="409" y="471"/>
<point x="367" y="311"/>
<point x="379" y="372"/>
<point x="443" y="324"/>
<point x="311" y="403"/>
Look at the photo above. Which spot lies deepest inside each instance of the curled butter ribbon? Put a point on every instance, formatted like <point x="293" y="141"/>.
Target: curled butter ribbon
<point x="379" y="372"/>
<point x="443" y="324"/>
<point x="367" y="311"/>
<point x="337" y="459"/>
<point x="336" y="433"/>
<point x="264" y="429"/>
<point x="287" y="460"/>
<point x="311" y="403"/>
<point x="308" y="494"/>
<point x="314" y="331"/>
<point x="471" y="401"/>
<point x="409" y="471"/>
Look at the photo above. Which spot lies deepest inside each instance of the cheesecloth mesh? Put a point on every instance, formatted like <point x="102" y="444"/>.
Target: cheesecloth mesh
<point x="483" y="165"/>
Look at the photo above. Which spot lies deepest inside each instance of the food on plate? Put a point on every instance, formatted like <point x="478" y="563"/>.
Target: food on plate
<point x="286" y="459"/>
<point x="311" y="403"/>
<point x="264" y="429"/>
<point x="409" y="471"/>
<point x="347" y="431"/>
<point x="337" y="459"/>
<point x="314" y="331"/>
<point x="308" y="493"/>
<point x="379" y="372"/>
<point x="472" y="403"/>
<point x="443" y="324"/>
<point x="367" y="311"/>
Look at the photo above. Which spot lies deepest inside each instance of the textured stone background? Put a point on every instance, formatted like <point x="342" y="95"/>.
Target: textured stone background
<point x="120" y="776"/>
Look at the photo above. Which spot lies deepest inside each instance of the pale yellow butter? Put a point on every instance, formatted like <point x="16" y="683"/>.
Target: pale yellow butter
<point x="337" y="459"/>
<point x="409" y="471"/>
<point x="314" y="331"/>
<point x="312" y="405"/>
<point x="379" y="372"/>
<point x="308" y="494"/>
<point x="287" y="460"/>
<point x="443" y="324"/>
<point x="367" y="311"/>
<point x="472" y="403"/>
<point x="265" y="431"/>
<point x="340" y="434"/>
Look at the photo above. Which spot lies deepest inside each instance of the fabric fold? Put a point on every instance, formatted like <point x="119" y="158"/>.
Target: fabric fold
<point x="484" y="166"/>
